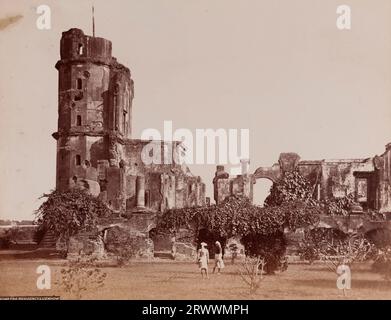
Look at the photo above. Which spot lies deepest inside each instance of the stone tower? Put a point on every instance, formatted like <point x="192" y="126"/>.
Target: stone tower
<point x="94" y="110"/>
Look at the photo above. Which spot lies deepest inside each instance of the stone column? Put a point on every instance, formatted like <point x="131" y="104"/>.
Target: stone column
<point x="245" y="166"/>
<point x="140" y="191"/>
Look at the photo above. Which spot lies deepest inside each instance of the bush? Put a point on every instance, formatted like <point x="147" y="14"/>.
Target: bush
<point x="251" y="272"/>
<point x="121" y="245"/>
<point x="271" y="248"/>
<point x="81" y="276"/>
<point x="316" y="242"/>
<point x="334" y="247"/>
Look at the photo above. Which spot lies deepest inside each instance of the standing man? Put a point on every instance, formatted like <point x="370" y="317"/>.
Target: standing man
<point x="203" y="259"/>
<point x="219" y="262"/>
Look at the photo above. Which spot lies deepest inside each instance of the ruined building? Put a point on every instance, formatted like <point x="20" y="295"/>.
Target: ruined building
<point x="369" y="180"/>
<point x="95" y="148"/>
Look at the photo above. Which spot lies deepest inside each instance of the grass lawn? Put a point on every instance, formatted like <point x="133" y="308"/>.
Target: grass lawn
<point x="181" y="280"/>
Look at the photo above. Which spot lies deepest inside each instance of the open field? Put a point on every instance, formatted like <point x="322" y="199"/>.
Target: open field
<point x="181" y="280"/>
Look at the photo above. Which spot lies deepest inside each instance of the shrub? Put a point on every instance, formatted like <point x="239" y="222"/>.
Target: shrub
<point x="251" y="272"/>
<point x="270" y="247"/>
<point x="81" y="276"/>
<point x="335" y="247"/>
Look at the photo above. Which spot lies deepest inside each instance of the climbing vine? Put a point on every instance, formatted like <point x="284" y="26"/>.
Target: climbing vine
<point x="291" y="187"/>
<point x="65" y="213"/>
<point x="259" y="228"/>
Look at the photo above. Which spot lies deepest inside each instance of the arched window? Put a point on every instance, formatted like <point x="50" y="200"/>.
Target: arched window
<point x="116" y="88"/>
<point x="124" y="122"/>
<point x="80" y="49"/>
<point x="78" y="120"/>
<point x="79" y="83"/>
<point x="78" y="160"/>
<point x="147" y="198"/>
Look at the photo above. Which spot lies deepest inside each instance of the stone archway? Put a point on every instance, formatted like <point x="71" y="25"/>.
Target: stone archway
<point x="272" y="173"/>
<point x="261" y="190"/>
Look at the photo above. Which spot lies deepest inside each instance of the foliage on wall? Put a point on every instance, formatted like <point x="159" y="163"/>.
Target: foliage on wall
<point x="69" y="212"/>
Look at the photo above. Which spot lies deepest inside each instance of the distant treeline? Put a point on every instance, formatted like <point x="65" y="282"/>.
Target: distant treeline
<point x="13" y="222"/>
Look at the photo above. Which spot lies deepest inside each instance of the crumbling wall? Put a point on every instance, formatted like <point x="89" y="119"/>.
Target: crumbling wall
<point x="369" y="180"/>
<point x="225" y="186"/>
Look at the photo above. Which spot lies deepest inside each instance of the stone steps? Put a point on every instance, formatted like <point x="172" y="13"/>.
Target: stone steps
<point x="163" y="255"/>
<point x="48" y="241"/>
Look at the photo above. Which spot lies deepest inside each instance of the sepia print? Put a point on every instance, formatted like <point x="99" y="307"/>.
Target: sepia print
<point x="195" y="150"/>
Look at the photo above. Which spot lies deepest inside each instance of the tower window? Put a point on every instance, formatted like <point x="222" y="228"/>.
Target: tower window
<point x="80" y="49"/>
<point x="78" y="120"/>
<point x="116" y="88"/>
<point x="79" y="83"/>
<point x="124" y="122"/>
<point x="78" y="160"/>
<point x="147" y="198"/>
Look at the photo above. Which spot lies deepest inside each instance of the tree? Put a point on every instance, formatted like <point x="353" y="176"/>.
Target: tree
<point x="66" y="213"/>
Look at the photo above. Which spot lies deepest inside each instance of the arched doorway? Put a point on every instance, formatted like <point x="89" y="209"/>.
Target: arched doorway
<point x="204" y="235"/>
<point x="261" y="189"/>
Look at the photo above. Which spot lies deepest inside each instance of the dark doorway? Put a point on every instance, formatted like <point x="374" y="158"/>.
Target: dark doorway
<point x="204" y="235"/>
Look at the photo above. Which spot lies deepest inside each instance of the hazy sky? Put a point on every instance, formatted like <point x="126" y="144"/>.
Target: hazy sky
<point x="279" y="68"/>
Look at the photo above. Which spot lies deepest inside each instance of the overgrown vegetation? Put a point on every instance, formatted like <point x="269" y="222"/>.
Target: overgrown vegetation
<point x="335" y="247"/>
<point x="80" y="277"/>
<point x="259" y="228"/>
<point x="66" y="213"/>
<point x="290" y="205"/>
<point x="122" y="246"/>
<point x="293" y="186"/>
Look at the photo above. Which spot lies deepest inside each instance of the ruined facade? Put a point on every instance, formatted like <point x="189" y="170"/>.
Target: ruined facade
<point x="95" y="148"/>
<point x="369" y="180"/>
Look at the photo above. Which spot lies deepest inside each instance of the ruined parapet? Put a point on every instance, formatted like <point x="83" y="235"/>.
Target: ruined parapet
<point x="382" y="166"/>
<point x="75" y="45"/>
<point x="220" y="184"/>
<point x="288" y="161"/>
<point x="225" y="186"/>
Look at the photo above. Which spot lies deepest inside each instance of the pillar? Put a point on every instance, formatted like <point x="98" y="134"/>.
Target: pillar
<point x="140" y="191"/>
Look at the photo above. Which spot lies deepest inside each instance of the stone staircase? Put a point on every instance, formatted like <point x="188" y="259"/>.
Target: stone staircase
<point x="48" y="241"/>
<point x="163" y="255"/>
